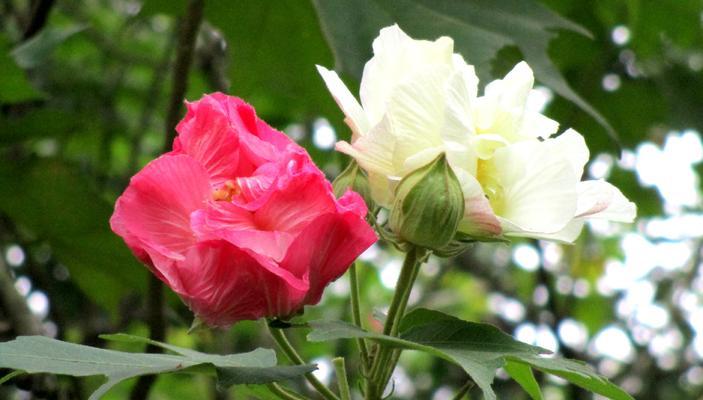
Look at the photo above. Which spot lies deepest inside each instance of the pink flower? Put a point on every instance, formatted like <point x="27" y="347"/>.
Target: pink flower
<point x="237" y="219"/>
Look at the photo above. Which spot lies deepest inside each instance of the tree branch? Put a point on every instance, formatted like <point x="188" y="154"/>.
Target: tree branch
<point x="39" y="16"/>
<point x="184" y="58"/>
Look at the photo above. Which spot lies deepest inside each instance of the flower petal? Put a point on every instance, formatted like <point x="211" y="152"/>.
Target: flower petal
<point x="206" y="136"/>
<point x="154" y="211"/>
<point x="397" y="56"/>
<point x="600" y="199"/>
<point x="356" y="119"/>
<point x="538" y="184"/>
<point x="223" y="284"/>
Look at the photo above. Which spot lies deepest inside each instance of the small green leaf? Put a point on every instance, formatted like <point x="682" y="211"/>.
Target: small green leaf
<point x="36" y="50"/>
<point x="522" y="374"/>
<point x="480" y="349"/>
<point x="14" y="86"/>
<point x="39" y="354"/>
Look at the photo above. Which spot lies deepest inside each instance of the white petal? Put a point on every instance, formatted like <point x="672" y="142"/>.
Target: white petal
<point x="537" y="125"/>
<point x="347" y="102"/>
<point x="374" y="151"/>
<point x="460" y="94"/>
<point x="397" y="57"/>
<point x="416" y="114"/>
<point x="567" y="235"/>
<point x="539" y="186"/>
<point x="515" y="86"/>
<point x="572" y="145"/>
<point x="600" y="199"/>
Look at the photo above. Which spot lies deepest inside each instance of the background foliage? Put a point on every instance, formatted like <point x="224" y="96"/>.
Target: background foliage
<point x="85" y="89"/>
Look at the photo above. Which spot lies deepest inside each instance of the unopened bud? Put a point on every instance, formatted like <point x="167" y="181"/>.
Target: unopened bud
<point x="353" y="178"/>
<point x="428" y="206"/>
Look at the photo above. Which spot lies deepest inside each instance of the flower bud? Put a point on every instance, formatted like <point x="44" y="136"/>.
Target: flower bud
<point x="353" y="178"/>
<point x="428" y="206"/>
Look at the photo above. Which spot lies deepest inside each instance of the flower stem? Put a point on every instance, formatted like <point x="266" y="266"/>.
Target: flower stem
<point x="342" y="381"/>
<point x="356" y="315"/>
<point x="283" y="393"/>
<point x="280" y="338"/>
<point x="463" y="390"/>
<point x="384" y="361"/>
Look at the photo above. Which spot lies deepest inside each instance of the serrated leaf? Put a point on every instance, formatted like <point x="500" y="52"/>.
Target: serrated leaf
<point x="480" y="28"/>
<point x="39" y="354"/>
<point x="480" y="349"/>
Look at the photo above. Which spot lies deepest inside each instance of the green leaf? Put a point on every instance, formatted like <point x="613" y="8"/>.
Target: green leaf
<point x="480" y="349"/>
<point x="480" y="28"/>
<point x="37" y="50"/>
<point x="54" y="202"/>
<point x="522" y="374"/>
<point x="38" y="354"/>
<point x="14" y="86"/>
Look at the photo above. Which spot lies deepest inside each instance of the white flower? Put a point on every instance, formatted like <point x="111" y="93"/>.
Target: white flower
<point x="419" y="99"/>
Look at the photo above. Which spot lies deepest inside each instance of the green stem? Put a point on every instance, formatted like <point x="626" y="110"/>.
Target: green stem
<point x="342" y="381"/>
<point x="356" y="315"/>
<point x="294" y="357"/>
<point x="383" y="366"/>
<point x="283" y="393"/>
<point x="463" y="390"/>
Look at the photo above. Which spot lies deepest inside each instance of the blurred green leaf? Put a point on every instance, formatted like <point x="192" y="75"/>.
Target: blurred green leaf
<point x="14" y="86"/>
<point x="38" y="354"/>
<point x="37" y="50"/>
<point x="522" y="374"/>
<point x="479" y="29"/>
<point x="55" y="203"/>
<point x="480" y="349"/>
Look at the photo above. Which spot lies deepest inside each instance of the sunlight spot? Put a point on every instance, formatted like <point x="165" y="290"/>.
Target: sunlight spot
<point x="573" y="333"/>
<point x="614" y="343"/>
<point x="323" y="371"/>
<point x="620" y="35"/>
<point x="14" y="255"/>
<point x="23" y="285"/>
<point x="600" y="166"/>
<point x="538" y="99"/>
<point x="526" y="257"/>
<point x="39" y="304"/>
<point x="390" y="273"/>
<point x="611" y="82"/>
<point x="324" y="136"/>
<point x="295" y="131"/>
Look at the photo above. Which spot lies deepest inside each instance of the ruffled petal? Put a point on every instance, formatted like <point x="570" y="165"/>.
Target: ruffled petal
<point x="326" y="248"/>
<point x="154" y="211"/>
<point x="205" y="135"/>
<point x="223" y="284"/>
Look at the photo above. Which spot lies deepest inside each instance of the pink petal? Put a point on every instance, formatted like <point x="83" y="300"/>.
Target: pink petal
<point x="298" y="198"/>
<point x="230" y="222"/>
<point x="205" y="134"/>
<point x="326" y="248"/>
<point x="154" y="211"/>
<point x="223" y="284"/>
